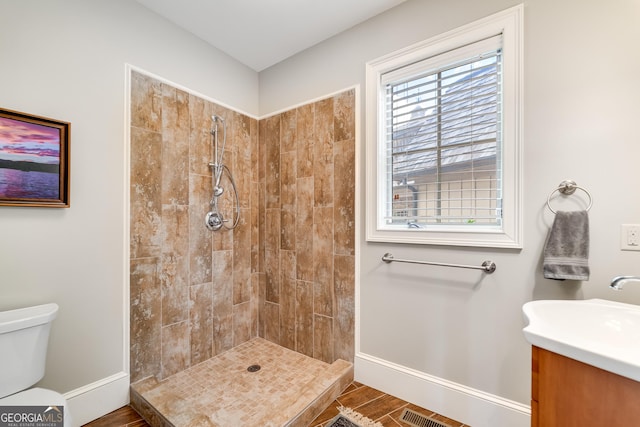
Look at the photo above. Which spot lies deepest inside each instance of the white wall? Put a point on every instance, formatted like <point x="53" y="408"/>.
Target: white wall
<point x="65" y="59"/>
<point x="581" y="111"/>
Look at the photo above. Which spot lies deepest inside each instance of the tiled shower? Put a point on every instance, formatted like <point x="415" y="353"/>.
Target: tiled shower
<point x="286" y="273"/>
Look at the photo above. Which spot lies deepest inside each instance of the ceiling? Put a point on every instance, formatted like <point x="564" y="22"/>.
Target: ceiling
<point x="261" y="33"/>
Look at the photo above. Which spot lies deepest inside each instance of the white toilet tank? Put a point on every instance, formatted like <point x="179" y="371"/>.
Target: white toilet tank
<point x="24" y="335"/>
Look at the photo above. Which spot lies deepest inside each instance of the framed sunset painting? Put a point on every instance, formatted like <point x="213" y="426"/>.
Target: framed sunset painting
<point x="34" y="160"/>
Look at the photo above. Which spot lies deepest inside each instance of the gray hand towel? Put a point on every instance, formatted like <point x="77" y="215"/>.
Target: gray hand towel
<point x="566" y="252"/>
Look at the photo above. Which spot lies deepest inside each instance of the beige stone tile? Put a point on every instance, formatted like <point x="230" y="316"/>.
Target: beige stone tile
<point x="242" y="259"/>
<point x="272" y="230"/>
<point x="222" y="300"/>
<point x="288" y="264"/>
<point x="145" y="216"/>
<point x="272" y="322"/>
<point x="263" y="138"/>
<point x="272" y="161"/>
<point x="344" y="116"/>
<point x="241" y="323"/>
<point x="200" y="139"/>
<point x="344" y="316"/>
<point x="175" y="146"/>
<point x="174" y="274"/>
<point x="272" y="275"/>
<point x="257" y="200"/>
<point x="255" y="150"/>
<point x="288" y="313"/>
<point x="241" y="174"/>
<point x="304" y="317"/>
<point x="200" y="238"/>
<point x="344" y="200"/>
<point x="288" y="180"/>
<point x="287" y="230"/>
<point x="288" y="201"/>
<point x="176" y="355"/>
<point x="304" y="229"/>
<point x="145" y="297"/>
<point x="242" y="132"/>
<point x="323" y="260"/>
<point x="200" y="194"/>
<point x="323" y="338"/>
<point x="222" y="240"/>
<point x="272" y="255"/>
<point x="262" y="300"/>
<point x="201" y="318"/>
<point x="146" y="102"/>
<point x="262" y="227"/>
<point x="305" y="140"/>
<point x="255" y="304"/>
<point x="288" y="125"/>
<point x="254" y="213"/>
<point x="323" y="153"/>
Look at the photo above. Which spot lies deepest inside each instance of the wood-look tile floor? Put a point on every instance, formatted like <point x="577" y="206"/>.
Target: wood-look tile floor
<point x="368" y="401"/>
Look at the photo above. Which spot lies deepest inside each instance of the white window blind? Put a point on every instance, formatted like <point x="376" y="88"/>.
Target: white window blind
<point x="443" y="136"/>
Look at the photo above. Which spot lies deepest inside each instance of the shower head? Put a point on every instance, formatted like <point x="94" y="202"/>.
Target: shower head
<point x="216" y="119"/>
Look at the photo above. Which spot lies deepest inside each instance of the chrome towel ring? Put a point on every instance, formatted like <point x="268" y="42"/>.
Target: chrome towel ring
<point x="568" y="187"/>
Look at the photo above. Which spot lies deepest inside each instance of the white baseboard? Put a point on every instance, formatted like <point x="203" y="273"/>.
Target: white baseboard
<point x="94" y="400"/>
<point x="461" y="403"/>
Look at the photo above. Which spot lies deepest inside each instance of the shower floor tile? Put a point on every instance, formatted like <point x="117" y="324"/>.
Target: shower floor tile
<point x="289" y="389"/>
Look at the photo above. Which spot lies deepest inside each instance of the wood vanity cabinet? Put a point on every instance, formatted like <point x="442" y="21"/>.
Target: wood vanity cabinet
<point x="568" y="393"/>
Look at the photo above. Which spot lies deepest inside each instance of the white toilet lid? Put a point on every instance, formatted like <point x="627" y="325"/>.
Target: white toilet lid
<point x="38" y="397"/>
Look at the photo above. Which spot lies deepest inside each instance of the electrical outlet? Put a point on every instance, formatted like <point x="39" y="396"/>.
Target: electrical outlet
<point x="630" y="237"/>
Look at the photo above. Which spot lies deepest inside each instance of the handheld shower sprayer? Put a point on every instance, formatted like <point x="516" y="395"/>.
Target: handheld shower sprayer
<point x="229" y="206"/>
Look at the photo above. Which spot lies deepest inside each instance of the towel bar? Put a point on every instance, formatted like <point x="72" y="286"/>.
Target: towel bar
<point x="487" y="266"/>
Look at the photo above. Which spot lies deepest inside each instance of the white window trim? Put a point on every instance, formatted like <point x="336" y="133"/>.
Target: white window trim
<point x="509" y="23"/>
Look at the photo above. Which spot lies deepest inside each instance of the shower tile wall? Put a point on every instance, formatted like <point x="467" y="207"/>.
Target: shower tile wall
<point x="191" y="289"/>
<point x="309" y="228"/>
<point x="285" y="273"/>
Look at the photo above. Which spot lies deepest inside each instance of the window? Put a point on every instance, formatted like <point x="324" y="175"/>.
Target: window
<point x="443" y="150"/>
<point x="442" y="136"/>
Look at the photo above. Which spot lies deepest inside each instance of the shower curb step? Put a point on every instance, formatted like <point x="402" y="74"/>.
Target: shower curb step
<point x="344" y="376"/>
<point x="315" y="394"/>
<point x="153" y="417"/>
